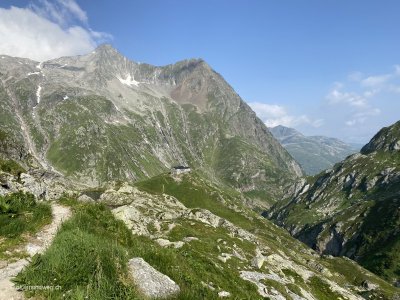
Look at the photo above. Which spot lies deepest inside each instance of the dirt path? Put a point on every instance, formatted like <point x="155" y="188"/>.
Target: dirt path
<point x="38" y="244"/>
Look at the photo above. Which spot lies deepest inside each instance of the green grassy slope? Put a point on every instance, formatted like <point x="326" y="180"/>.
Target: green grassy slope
<point x="20" y="216"/>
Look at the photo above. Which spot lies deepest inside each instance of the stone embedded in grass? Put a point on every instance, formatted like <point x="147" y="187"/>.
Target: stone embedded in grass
<point x="85" y="198"/>
<point x="224" y="294"/>
<point x="258" y="261"/>
<point x="209" y="285"/>
<point x="166" y="243"/>
<point x="32" y="249"/>
<point x="190" y="238"/>
<point x="224" y="257"/>
<point x="151" y="282"/>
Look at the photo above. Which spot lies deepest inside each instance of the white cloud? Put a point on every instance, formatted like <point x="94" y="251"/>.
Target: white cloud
<point x="361" y="117"/>
<point x="74" y="9"/>
<point x="356" y="104"/>
<point x="367" y="86"/>
<point x="60" y="11"/>
<point x="374" y="81"/>
<point x="394" y="89"/>
<point x="273" y="115"/>
<point x="47" y="30"/>
<point x="397" y="69"/>
<point x="336" y="96"/>
<point x="370" y="93"/>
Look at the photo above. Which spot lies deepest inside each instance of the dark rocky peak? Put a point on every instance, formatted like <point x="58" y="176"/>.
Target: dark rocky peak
<point x="387" y="139"/>
<point x="187" y="65"/>
<point x="181" y="70"/>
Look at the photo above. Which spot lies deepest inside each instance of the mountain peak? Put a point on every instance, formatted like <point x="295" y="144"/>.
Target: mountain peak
<point x="106" y="48"/>
<point x="283" y="131"/>
<point x="387" y="139"/>
<point x="108" y="53"/>
<point x="188" y="65"/>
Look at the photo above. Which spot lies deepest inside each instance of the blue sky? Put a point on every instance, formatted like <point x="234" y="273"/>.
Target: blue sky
<point x="324" y="67"/>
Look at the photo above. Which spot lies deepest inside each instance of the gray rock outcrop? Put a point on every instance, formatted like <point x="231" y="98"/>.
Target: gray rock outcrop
<point x="151" y="282"/>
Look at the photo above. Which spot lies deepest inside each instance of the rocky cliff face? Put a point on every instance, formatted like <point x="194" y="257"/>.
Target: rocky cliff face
<point x="313" y="153"/>
<point x="352" y="209"/>
<point x="101" y="117"/>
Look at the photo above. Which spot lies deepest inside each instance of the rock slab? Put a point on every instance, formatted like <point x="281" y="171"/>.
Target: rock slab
<point x="151" y="282"/>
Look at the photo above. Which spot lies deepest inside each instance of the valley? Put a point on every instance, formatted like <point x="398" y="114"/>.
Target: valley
<point x="99" y="136"/>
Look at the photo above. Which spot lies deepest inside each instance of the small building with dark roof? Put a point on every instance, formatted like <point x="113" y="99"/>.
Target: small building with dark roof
<point x="176" y="170"/>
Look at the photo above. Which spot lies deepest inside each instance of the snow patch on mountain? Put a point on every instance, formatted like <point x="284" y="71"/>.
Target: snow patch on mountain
<point x="129" y="81"/>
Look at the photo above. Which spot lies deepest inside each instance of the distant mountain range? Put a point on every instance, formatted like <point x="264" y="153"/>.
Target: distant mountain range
<point x="313" y="153"/>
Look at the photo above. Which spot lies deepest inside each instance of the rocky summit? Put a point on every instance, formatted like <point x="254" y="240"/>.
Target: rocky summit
<point x="101" y="117"/>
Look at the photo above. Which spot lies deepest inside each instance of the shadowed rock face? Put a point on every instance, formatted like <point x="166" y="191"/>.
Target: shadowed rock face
<point x="353" y="209"/>
<point x="101" y="117"/>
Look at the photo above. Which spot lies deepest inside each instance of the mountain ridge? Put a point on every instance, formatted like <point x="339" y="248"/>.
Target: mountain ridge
<point x="353" y="209"/>
<point x="136" y="121"/>
<point x="314" y="153"/>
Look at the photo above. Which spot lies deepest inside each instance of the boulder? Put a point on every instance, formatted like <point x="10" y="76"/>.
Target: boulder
<point x="127" y="189"/>
<point x="150" y="282"/>
<point x="368" y="285"/>
<point x="163" y="242"/>
<point x="190" y="238"/>
<point x="31" y="185"/>
<point x="85" y="198"/>
<point x="166" y="243"/>
<point x="224" y="294"/>
<point x="258" y="261"/>
<point x="115" y="198"/>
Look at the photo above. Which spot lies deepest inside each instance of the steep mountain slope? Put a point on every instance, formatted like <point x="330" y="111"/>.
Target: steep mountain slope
<point x="199" y="235"/>
<point x="313" y="153"/>
<point x="353" y="209"/>
<point x="101" y="117"/>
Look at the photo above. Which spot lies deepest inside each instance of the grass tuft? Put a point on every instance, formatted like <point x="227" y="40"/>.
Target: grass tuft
<point x="87" y="259"/>
<point x="20" y="215"/>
